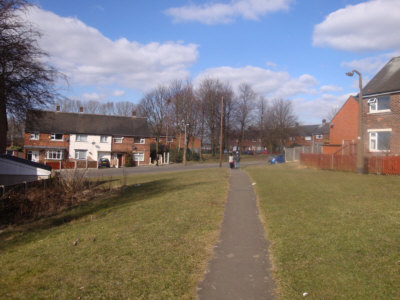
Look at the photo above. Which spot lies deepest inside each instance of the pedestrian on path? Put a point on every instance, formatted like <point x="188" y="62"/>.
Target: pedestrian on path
<point x="231" y="160"/>
<point x="237" y="159"/>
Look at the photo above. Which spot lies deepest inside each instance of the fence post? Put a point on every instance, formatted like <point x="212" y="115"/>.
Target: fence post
<point x="3" y="190"/>
<point x="332" y="162"/>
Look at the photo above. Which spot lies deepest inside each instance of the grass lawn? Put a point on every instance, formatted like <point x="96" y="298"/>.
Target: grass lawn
<point x="151" y="242"/>
<point x="334" y="235"/>
<point x="208" y="158"/>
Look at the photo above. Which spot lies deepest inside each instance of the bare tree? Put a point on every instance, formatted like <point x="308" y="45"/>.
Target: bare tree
<point x="245" y="106"/>
<point x="154" y="107"/>
<point x="25" y="80"/>
<point x="332" y="113"/>
<point x="124" y="108"/>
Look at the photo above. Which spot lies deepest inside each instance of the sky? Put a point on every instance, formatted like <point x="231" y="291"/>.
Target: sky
<point x="297" y="50"/>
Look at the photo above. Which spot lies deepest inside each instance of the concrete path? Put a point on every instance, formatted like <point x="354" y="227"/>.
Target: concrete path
<point x="240" y="267"/>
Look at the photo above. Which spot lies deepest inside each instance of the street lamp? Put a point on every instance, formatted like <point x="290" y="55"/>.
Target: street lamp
<point x="185" y="146"/>
<point x="360" y="139"/>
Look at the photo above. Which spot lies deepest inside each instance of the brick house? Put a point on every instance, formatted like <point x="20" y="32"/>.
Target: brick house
<point x="178" y="141"/>
<point x="343" y="129"/>
<point x="58" y="136"/>
<point x="381" y="111"/>
<point x="308" y="135"/>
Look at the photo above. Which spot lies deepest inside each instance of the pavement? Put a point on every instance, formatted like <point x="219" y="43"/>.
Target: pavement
<point x="240" y="267"/>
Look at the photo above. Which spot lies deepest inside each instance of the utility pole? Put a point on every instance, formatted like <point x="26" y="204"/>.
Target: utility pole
<point x="360" y="139"/>
<point x="220" y="132"/>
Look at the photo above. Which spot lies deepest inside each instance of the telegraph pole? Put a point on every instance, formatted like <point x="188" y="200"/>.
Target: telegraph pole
<point x="220" y="132"/>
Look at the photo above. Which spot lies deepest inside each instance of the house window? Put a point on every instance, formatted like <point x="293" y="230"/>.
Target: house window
<point x="291" y="138"/>
<point x="139" y="156"/>
<point x="54" y="154"/>
<point x="80" y="154"/>
<point x="319" y="136"/>
<point x="254" y="140"/>
<point x="379" y="104"/>
<point x="56" y="137"/>
<point x="81" y="137"/>
<point x="118" y="140"/>
<point x="307" y="138"/>
<point x="379" y="140"/>
<point x="103" y="139"/>
<point x="139" y="141"/>
<point x="170" y="139"/>
<point x="34" y="136"/>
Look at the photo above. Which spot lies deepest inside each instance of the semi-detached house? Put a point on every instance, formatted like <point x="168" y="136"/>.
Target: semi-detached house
<point x="52" y="136"/>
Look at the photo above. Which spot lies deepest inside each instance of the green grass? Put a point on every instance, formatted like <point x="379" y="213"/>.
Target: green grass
<point x="334" y="235"/>
<point x="208" y="158"/>
<point x="151" y="242"/>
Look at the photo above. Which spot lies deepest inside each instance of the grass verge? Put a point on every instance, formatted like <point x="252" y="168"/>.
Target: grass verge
<point x="151" y="242"/>
<point x="334" y="235"/>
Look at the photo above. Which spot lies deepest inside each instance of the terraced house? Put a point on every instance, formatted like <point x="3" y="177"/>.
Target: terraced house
<point x="54" y="136"/>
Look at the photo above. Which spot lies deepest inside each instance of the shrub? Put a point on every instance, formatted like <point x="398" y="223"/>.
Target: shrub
<point x="175" y="155"/>
<point x="128" y="160"/>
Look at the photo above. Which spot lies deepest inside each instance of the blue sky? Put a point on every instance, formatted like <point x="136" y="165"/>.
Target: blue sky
<point x="292" y="49"/>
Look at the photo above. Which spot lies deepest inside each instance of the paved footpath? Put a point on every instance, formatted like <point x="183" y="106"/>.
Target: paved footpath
<point x="240" y="267"/>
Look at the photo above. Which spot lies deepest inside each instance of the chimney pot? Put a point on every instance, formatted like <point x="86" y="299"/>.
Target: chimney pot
<point x="58" y="108"/>
<point x="133" y="113"/>
<point x="323" y="121"/>
<point x="81" y="109"/>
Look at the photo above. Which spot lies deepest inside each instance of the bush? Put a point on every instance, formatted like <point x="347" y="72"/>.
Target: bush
<point x="128" y="160"/>
<point x="175" y="155"/>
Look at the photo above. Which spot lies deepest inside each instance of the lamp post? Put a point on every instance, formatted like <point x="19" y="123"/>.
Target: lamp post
<point x="360" y="139"/>
<point x="185" y="146"/>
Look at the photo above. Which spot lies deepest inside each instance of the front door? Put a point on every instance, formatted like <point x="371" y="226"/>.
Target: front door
<point x="119" y="156"/>
<point x="33" y="155"/>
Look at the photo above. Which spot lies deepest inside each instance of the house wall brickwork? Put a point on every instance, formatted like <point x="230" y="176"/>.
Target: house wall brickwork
<point x="44" y="143"/>
<point x="383" y="120"/>
<point x="344" y="126"/>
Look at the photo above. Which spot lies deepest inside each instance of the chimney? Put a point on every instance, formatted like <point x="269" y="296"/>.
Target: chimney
<point x="58" y="108"/>
<point x="323" y="121"/>
<point x="81" y="109"/>
<point x="133" y="113"/>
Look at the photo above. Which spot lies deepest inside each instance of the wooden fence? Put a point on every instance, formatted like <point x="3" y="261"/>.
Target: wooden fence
<point x="374" y="164"/>
<point x="71" y="164"/>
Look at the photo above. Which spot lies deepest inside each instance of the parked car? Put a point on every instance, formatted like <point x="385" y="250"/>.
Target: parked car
<point x="104" y="162"/>
<point x="278" y="159"/>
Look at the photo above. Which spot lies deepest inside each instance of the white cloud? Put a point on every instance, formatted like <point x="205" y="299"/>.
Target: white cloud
<point x="367" y="26"/>
<point x="214" y="13"/>
<point x="89" y="58"/>
<point x="92" y="97"/>
<point x="118" y="93"/>
<point x="272" y="84"/>
<point x="331" y="88"/>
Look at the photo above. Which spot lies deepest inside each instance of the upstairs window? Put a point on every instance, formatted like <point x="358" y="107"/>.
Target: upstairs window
<point x="81" y="137"/>
<point x="118" y="140"/>
<point x="139" y="141"/>
<point x="56" y="137"/>
<point x="103" y="139"/>
<point x="319" y="136"/>
<point x="307" y="138"/>
<point x="34" y="136"/>
<point x="379" y="104"/>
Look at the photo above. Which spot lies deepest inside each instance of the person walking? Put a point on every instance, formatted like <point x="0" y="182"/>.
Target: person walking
<point x="231" y="160"/>
<point x="237" y="159"/>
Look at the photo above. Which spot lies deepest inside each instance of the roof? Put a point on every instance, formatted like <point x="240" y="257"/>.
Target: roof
<point x="70" y="123"/>
<point x="387" y="80"/>
<point x="309" y="130"/>
<point x="25" y="161"/>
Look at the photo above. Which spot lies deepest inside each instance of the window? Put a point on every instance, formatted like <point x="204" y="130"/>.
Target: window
<point x="81" y="137"/>
<point x="54" y="154"/>
<point x="307" y="138"/>
<point x="34" y="136"/>
<point x="118" y="140"/>
<point x="103" y="139"/>
<point x="139" y="141"/>
<point x="170" y="139"/>
<point x="56" y="137"/>
<point x="379" y="104"/>
<point x="80" y="154"/>
<point x="319" y="136"/>
<point x="291" y="138"/>
<point x="254" y="140"/>
<point x="379" y="140"/>
<point x="139" y="156"/>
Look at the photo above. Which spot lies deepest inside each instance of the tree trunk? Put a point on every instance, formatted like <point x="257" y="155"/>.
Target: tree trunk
<point x="3" y="126"/>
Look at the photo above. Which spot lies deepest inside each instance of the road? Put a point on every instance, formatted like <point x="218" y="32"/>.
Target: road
<point x="165" y="168"/>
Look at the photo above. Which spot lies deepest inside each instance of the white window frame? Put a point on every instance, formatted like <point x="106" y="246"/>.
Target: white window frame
<point x="54" y="154"/>
<point x="118" y="140"/>
<point x="137" y="155"/>
<point x="78" y="155"/>
<point x="373" y="139"/>
<point x="34" y="136"/>
<point x="319" y="136"/>
<point x="103" y="139"/>
<point x="53" y="137"/>
<point x="373" y="107"/>
<point x="81" y="138"/>
<point x="307" y="138"/>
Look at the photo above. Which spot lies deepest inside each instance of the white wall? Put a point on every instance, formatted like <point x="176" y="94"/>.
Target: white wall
<point x="93" y="146"/>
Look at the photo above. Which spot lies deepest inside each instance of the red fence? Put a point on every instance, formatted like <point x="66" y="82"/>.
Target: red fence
<point x="68" y="164"/>
<point x="374" y="164"/>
